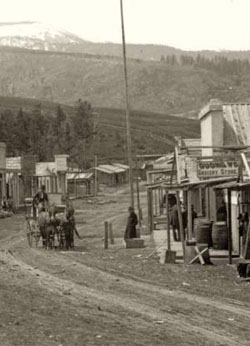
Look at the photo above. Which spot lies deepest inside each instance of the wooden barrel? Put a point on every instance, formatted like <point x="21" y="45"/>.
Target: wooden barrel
<point x="220" y="235"/>
<point x="203" y="231"/>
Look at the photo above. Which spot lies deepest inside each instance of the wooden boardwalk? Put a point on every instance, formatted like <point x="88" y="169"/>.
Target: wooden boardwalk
<point x="160" y="239"/>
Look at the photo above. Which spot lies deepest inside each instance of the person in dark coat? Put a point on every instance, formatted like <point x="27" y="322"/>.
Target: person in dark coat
<point x="185" y="221"/>
<point x="4" y="204"/>
<point x="40" y="200"/>
<point x="70" y="215"/>
<point x="194" y="215"/>
<point x="222" y="212"/>
<point x="132" y="222"/>
<point x="174" y="222"/>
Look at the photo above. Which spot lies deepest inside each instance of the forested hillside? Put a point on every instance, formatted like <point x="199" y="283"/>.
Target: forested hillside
<point x="45" y="129"/>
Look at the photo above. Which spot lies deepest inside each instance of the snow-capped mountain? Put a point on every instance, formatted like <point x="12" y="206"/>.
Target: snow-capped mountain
<point x="35" y="35"/>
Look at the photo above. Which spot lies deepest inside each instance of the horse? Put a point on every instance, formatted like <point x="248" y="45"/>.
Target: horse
<point x="48" y="229"/>
<point x="66" y="235"/>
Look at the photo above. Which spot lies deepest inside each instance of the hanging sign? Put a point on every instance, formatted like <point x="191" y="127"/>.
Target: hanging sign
<point x="210" y="169"/>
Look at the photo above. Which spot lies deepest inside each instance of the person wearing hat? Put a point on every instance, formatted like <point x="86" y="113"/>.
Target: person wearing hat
<point x="70" y="215"/>
<point x="132" y="222"/>
<point x="40" y="200"/>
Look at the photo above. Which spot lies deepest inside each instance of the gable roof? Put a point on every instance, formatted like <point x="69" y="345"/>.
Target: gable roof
<point x="120" y="165"/>
<point x="79" y="176"/>
<point x="164" y="162"/>
<point x="110" y="169"/>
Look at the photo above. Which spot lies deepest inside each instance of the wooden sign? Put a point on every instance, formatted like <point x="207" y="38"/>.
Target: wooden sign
<point x="214" y="169"/>
<point x="61" y="163"/>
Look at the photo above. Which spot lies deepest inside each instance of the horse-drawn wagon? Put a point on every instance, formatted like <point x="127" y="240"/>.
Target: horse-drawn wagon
<point x="51" y="224"/>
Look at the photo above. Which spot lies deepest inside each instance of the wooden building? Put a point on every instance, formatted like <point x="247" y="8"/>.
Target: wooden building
<point x="2" y="170"/>
<point x="46" y="175"/>
<point x="14" y="181"/>
<point x="53" y="174"/>
<point x="161" y="169"/>
<point x="19" y="178"/>
<point x="206" y="167"/>
<point x="112" y="175"/>
<point x="80" y="183"/>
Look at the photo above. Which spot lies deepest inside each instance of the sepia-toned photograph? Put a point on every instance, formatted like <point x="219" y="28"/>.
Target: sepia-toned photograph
<point x="124" y="173"/>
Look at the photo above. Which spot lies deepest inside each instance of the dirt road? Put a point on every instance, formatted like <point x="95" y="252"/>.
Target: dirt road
<point x="115" y="296"/>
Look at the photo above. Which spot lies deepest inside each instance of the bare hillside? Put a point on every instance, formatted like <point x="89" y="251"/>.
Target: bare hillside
<point x="154" y="86"/>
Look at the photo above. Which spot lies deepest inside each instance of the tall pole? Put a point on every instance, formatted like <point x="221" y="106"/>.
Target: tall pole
<point x="138" y="193"/>
<point x="128" y="135"/>
<point x="229" y="225"/>
<point x="96" y="181"/>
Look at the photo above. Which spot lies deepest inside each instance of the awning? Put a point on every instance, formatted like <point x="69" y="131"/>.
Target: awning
<point x="200" y="183"/>
<point x="236" y="186"/>
<point x="109" y="169"/>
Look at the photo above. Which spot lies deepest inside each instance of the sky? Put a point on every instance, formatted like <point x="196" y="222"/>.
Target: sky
<point x="185" y="24"/>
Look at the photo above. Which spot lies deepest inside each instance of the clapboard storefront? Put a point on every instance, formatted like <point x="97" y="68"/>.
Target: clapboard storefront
<point x="2" y="170"/>
<point x="221" y="156"/>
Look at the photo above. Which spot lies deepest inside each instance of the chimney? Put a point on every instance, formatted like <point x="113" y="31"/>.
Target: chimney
<point x="211" y="123"/>
<point x="2" y="156"/>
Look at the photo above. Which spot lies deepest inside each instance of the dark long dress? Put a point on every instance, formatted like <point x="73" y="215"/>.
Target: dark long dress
<point x="130" y="231"/>
<point x="174" y="222"/>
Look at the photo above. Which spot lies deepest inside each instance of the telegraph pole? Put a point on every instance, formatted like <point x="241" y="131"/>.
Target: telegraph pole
<point x="96" y="179"/>
<point x="128" y="135"/>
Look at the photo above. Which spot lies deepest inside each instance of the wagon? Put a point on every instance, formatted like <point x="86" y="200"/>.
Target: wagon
<point x="32" y="229"/>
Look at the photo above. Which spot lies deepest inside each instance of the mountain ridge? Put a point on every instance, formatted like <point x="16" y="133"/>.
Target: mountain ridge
<point x="176" y="86"/>
<point x="69" y="42"/>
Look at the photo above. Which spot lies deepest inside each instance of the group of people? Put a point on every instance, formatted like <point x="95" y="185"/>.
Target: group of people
<point x="132" y="221"/>
<point x="174" y="218"/>
<point x="41" y="209"/>
<point x="41" y="204"/>
<point x="8" y="204"/>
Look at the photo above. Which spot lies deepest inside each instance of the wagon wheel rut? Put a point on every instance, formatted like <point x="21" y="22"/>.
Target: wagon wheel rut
<point x="189" y="315"/>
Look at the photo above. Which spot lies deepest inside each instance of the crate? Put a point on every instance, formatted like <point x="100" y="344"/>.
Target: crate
<point x="134" y="243"/>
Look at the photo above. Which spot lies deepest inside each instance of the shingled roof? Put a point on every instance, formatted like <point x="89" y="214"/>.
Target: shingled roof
<point x="236" y="124"/>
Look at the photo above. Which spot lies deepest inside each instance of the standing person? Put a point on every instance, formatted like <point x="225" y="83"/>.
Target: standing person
<point x="132" y="222"/>
<point x="70" y="215"/>
<point x="4" y="204"/>
<point x="222" y="212"/>
<point x="245" y="227"/>
<point x="184" y="221"/>
<point x="40" y="200"/>
<point x="70" y="211"/>
<point x="174" y="218"/>
<point x="11" y="205"/>
<point x="194" y="215"/>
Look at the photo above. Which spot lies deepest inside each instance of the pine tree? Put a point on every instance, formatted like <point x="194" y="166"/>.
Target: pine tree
<point x="83" y="130"/>
<point x="7" y="134"/>
<point x="38" y="133"/>
<point x="21" y="132"/>
<point x="68" y="139"/>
